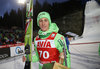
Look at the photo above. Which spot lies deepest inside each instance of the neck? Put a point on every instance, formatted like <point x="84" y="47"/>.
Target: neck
<point x="44" y="36"/>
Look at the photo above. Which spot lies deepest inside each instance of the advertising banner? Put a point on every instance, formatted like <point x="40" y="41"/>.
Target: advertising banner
<point x="12" y="50"/>
<point x="17" y="50"/>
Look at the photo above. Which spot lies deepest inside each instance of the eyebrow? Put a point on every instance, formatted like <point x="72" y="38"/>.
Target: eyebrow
<point x="43" y="19"/>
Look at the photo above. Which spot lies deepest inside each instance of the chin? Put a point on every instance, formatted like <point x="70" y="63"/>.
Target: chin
<point x="44" y="29"/>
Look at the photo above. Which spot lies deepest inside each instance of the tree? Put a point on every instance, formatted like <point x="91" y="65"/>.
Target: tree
<point x="1" y="21"/>
<point x="13" y="18"/>
<point x="5" y="20"/>
<point x="19" y="18"/>
<point x="36" y="9"/>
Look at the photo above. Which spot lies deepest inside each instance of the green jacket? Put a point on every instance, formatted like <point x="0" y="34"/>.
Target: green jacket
<point x="52" y="28"/>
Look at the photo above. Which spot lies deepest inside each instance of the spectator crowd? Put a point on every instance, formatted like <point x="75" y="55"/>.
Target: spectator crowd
<point x="11" y="36"/>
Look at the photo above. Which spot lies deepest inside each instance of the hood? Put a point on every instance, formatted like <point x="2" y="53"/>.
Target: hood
<point x="43" y="15"/>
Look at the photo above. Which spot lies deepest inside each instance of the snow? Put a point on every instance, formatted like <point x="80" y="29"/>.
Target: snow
<point x="84" y="51"/>
<point x="15" y="63"/>
<point x="85" y="56"/>
<point x="12" y="63"/>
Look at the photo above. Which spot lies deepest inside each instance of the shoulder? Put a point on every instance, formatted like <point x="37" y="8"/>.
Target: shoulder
<point x="59" y="36"/>
<point x="36" y="38"/>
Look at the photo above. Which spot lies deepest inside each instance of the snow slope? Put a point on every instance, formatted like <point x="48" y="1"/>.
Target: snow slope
<point x="84" y="51"/>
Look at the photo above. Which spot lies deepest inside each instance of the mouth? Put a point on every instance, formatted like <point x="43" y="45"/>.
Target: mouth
<point x="43" y="26"/>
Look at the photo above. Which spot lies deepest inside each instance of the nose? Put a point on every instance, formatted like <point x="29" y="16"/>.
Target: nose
<point x="43" y="22"/>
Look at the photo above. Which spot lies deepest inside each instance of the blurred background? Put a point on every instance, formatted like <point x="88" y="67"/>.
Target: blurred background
<point x="68" y="14"/>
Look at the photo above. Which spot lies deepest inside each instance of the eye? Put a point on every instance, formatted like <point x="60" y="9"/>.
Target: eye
<point x="40" y="20"/>
<point x="45" y="20"/>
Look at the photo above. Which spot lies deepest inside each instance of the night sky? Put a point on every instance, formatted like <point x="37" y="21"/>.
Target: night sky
<point x="7" y="5"/>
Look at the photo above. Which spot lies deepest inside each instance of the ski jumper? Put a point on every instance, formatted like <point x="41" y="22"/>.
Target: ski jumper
<point x="47" y="47"/>
<point x="49" y="41"/>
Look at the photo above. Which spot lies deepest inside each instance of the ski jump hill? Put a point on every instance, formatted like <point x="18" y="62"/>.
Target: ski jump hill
<point x="84" y="51"/>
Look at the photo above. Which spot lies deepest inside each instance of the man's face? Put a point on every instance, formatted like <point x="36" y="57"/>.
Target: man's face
<point x="44" y="24"/>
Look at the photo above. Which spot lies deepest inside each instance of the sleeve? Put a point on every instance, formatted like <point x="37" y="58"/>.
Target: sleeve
<point x="68" y="55"/>
<point x="35" y="57"/>
<point x="60" y="45"/>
